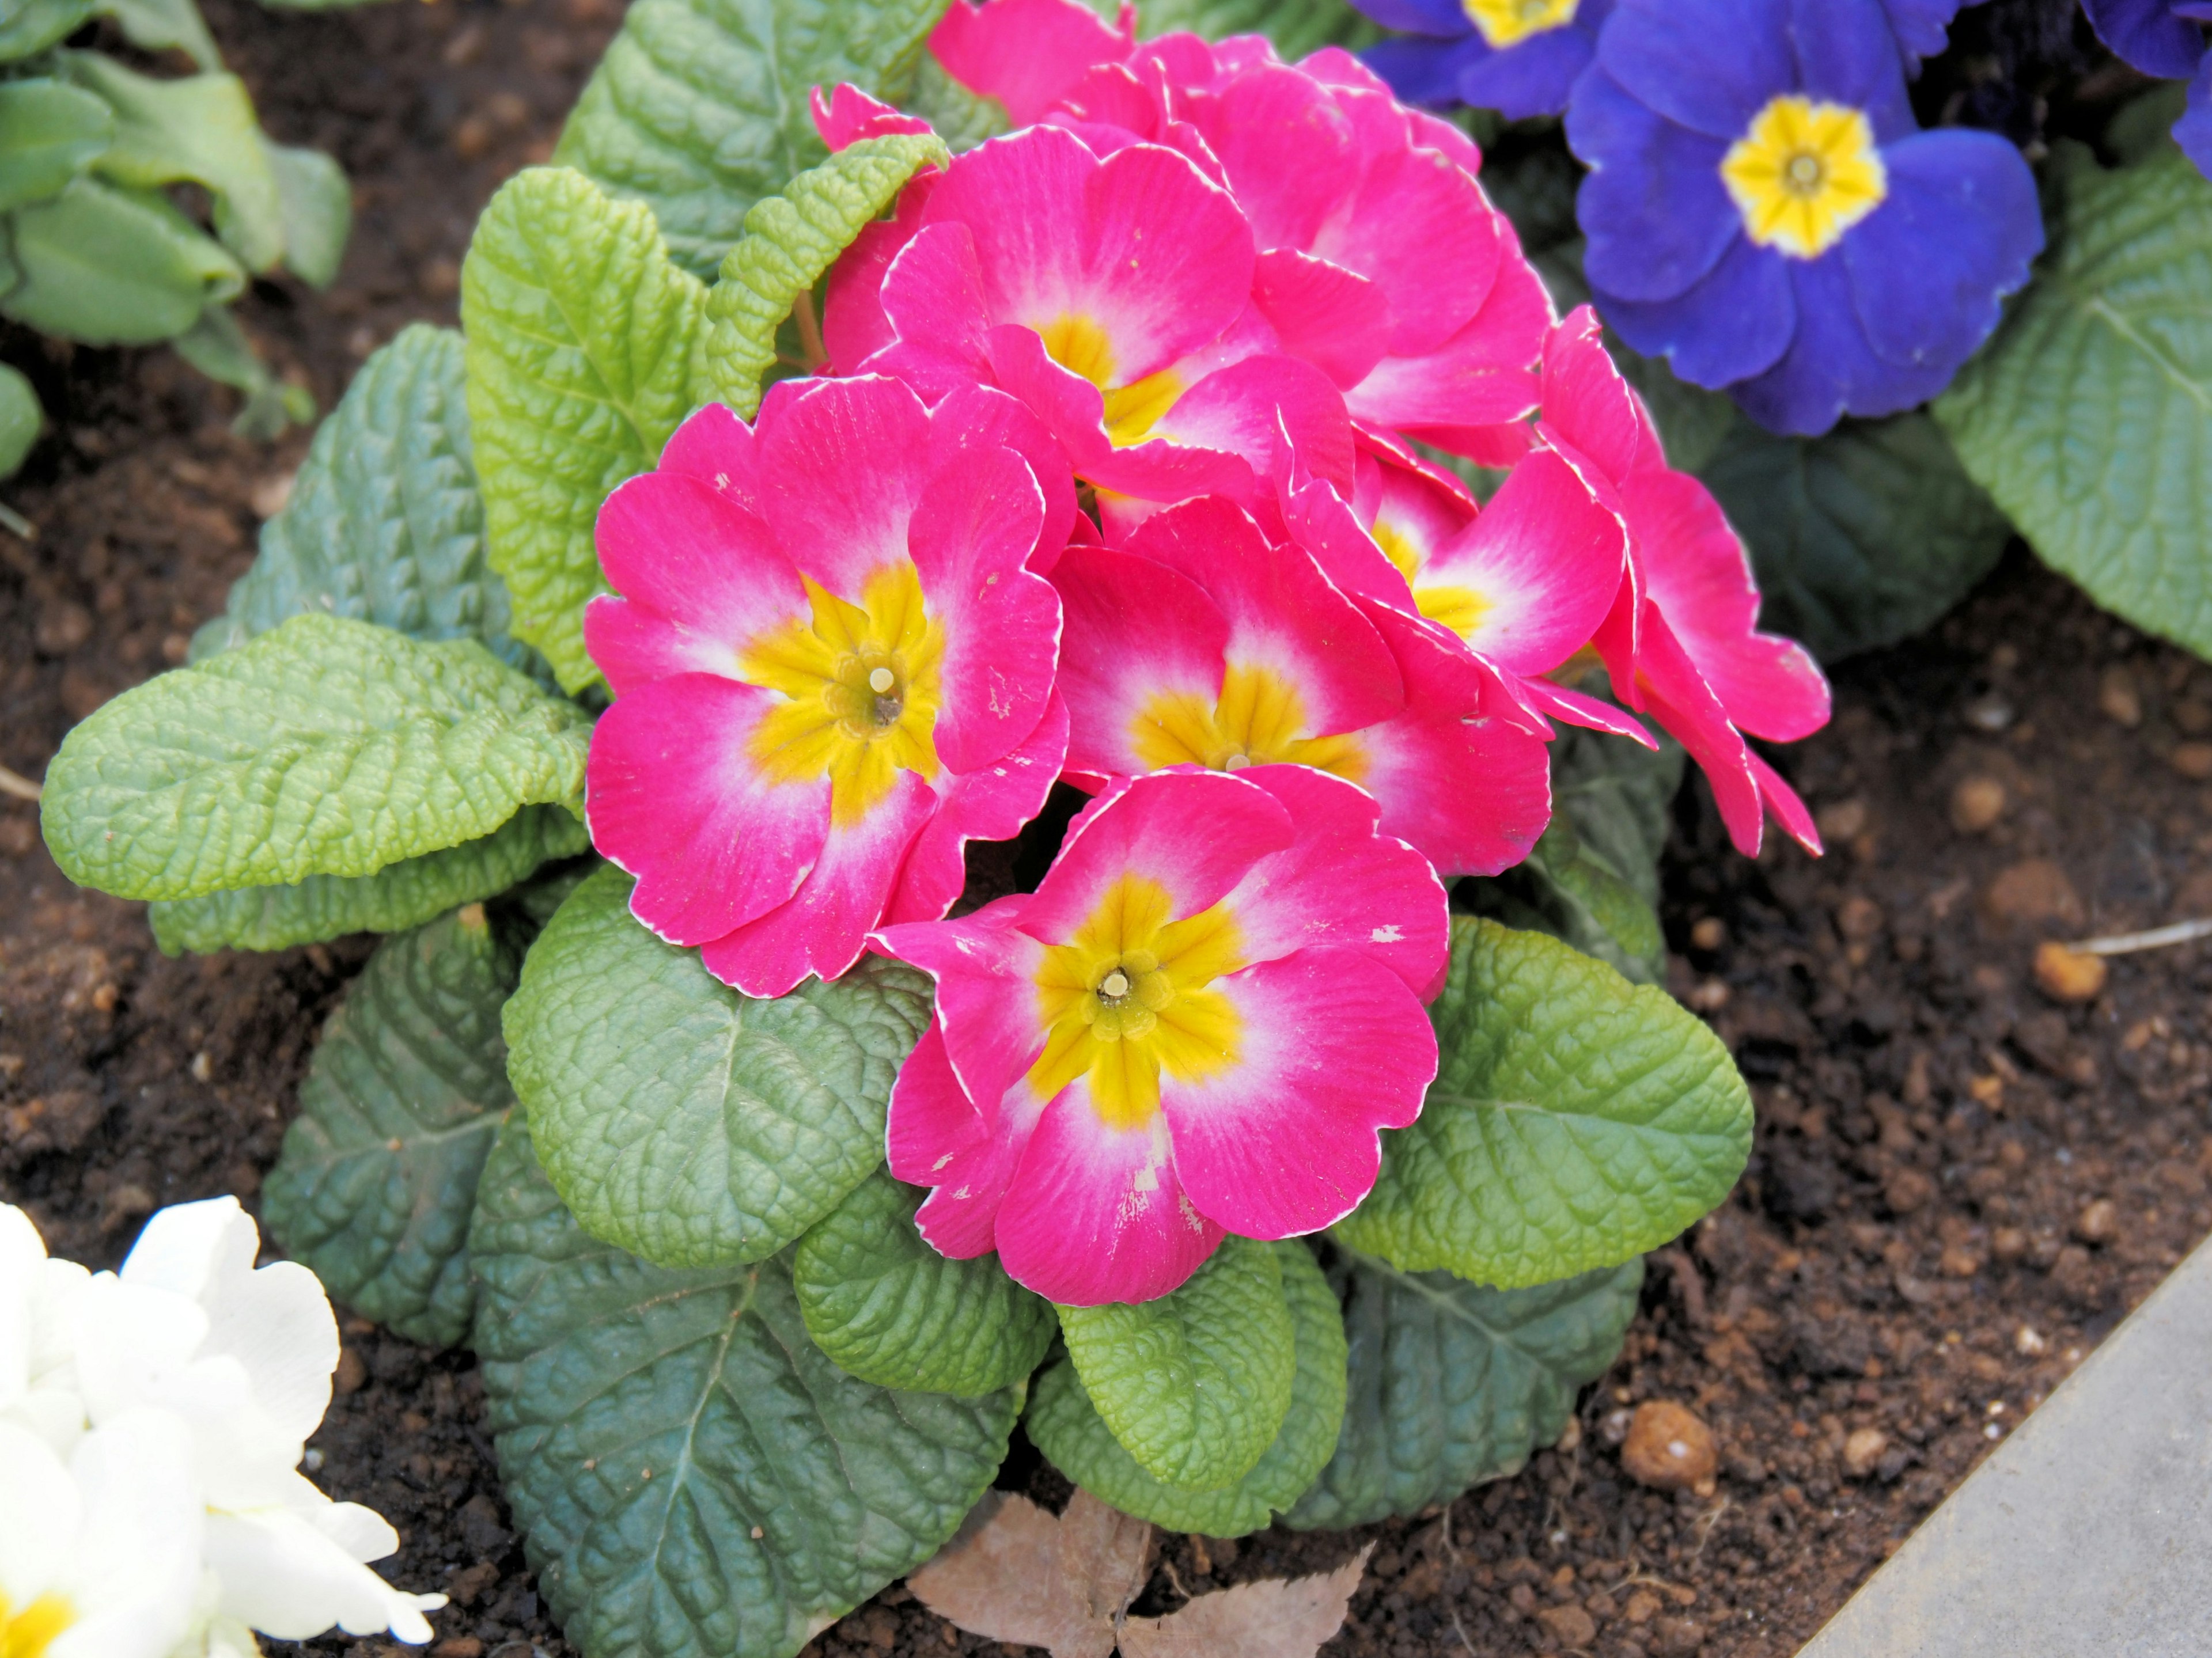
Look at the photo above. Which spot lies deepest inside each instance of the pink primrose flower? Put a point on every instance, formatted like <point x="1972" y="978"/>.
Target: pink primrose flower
<point x="1200" y="642"/>
<point x="832" y="661"/>
<point x="1196" y="1025"/>
<point x="1681" y="638"/>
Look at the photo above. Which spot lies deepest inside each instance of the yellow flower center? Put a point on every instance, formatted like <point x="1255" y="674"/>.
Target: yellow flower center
<point x="1803" y="174"/>
<point x="1080" y="346"/>
<point x="1260" y="719"/>
<point x="860" y="685"/>
<point x="28" y="1633"/>
<point x="1127" y="999"/>
<point x="1459" y="609"/>
<point x="1507" y="22"/>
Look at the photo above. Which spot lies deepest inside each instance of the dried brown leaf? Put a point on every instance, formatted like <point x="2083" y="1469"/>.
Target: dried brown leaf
<point x="1105" y="1555"/>
<point x="1015" y="1573"/>
<point x="1269" y="1619"/>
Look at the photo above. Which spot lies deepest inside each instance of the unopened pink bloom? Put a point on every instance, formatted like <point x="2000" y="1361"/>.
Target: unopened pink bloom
<point x="832" y="665"/>
<point x="1196" y="1025"/>
<point x="1681" y="637"/>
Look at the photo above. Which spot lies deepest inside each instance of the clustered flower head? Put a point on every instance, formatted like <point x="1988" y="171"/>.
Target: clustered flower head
<point x="1122" y="472"/>
<point x="2172" y="39"/>
<point x="152" y="1423"/>
<point x="1762" y="209"/>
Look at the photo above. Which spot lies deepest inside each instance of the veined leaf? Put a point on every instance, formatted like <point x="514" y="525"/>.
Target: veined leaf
<point x="384" y="523"/>
<point x="325" y="747"/>
<point x="1452" y="1384"/>
<point x="50" y="132"/>
<point x="398" y="896"/>
<point x="1194" y="1385"/>
<point x="889" y="1309"/>
<point x="35" y="25"/>
<point x="693" y="1477"/>
<point x="158" y="25"/>
<point x="1069" y="1430"/>
<point x="317" y="210"/>
<point x="108" y="266"/>
<point x="681" y="1120"/>
<point x="1296" y="26"/>
<point x="378" y="1177"/>
<point x="2088" y="417"/>
<point x="956" y="114"/>
<point x="1575" y="1122"/>
<point x="699" y="107"/>
<point x="790" y="241"/>
<point x="579" y="340"/>
<point x="20" y="419"/>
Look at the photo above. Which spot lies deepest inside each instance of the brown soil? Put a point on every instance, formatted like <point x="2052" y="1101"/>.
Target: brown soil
<point x="1958" y="1186"/>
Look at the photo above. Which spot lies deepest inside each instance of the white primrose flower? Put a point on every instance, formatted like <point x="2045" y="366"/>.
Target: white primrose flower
<point x="38" y="1365"/>
<point x="239" y="1359"/>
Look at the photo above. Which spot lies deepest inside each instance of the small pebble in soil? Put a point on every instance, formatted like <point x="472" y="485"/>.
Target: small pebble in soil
<point x="2099" y="1223"/>
<point x="2192" y="759"/>
<point x="1863" y="1452"/>
<point x="1989" y="712"/>
<point x="1709" y="933"/>
<point x="1668" y="1448"/>
<point x="1844" y="820"/>
<point x="2033" y="892"/>
<point x="2069" y="975"/>
<point x="2028" y="1342"/>
<point x="2118" y="696"/>
<point x="1976" y="804"/>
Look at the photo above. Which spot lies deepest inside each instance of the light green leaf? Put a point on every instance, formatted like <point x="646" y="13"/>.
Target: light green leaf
<point x="958" y="115"/>
<point x="2088" y="417"/>
<point x="49" y="133"/>
<point x="30" y="26"/>
<point x="1070" y="1433"/>
<point x="889" y="1309"/>
<point x="114" y="267"/>
<point x="158" y="25"/>
<point x="398" y="896"/>
<point x="20" y="419"/>
<point x="325" y="747"/>
<point x="384" y="523"/>
<point x="378" y="1177"/>
<point x="1575" y="1122"/>
<point x="681" y="1120"/>
<point x="1195" y="1385"/>
<point x="579" y="339"/>
<point x="1452" y="1384"/>
<point x="699" y="107"/>
<point x="790" y="241"/>
<point x="692" y="1476"/>
<point x="199" y="130"/>
<point x="1297" y="26"/>
<point x="317" y="208"/>
<point x="218" y="347"/>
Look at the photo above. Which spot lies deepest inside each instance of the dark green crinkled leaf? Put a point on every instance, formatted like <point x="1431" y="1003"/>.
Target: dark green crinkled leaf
<point x="889" y="1309"/>
<point x="2088" y="417"/>
<point x="681" y="1120"/>
<point x="325" y="747"/>
<point x="50" y="132"/>
<point x="20" y="419"/>
<point x="1619" y="797"/>
<point x="108" y="266"/>
<point x="1195" y="1385"/>
<point x="1069" y="1430"/>
<point x="581" y="335"/>
<point x="378" y="1177"/>
<point x="1567" y="887"/>
<point x="1575" y="1122"/>
<point x="1452" y="1384"/>
<point x="693" y="1477"/>
<point x="791" y="239"/>
<point x="699" y="107"/>
<point x="398" y="896"/>
<point x="956" y="114"/>
<point x="1297" y="26"/>
<point x="384" y="523"/>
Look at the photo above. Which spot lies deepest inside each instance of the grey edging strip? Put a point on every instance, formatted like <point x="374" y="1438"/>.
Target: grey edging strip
<point x="2087" y="1534"/>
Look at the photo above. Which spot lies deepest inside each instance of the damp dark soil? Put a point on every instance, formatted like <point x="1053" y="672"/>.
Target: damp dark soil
<point x="1959" y="1185"/>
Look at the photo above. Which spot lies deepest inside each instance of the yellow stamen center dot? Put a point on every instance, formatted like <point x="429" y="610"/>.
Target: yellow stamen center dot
<point x="1507" y="22"/>
<point x="1803" y="173"/>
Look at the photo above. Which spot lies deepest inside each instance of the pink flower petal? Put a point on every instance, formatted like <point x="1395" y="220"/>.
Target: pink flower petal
<point x="1335" y="1047"/>
<point x="976" y="416"/>
<point x="1588" y="406"/>
<point x="1575" y="709"/>
<point x="1684" y="703"/>
<point x="990" y="803"/>
<point x="1135" y="631"/>
<point x="1419" y="227"/>
<point x="986" y="999"/>
<point x="843" y="465"/>
<point x="1251" y="408"/>
<point x="937" y="1136"/>
<point x="1317" y="518"/>
<point x="1028" y="53"/>
<point x="932" y="298"/>
<point x="1286" y="150"/>
<point x="1336" y="319"/>
<point x="1480" y="378"/>
<point x="854" y="324"/>
<point x="849" y="115"/>
<point x="713" y="444"/>
<point x="672" y="795"/>
<point x="1782" y="800"/>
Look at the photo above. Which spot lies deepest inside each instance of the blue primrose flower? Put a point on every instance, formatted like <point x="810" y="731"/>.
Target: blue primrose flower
<point x="2166" y="38"/>
<point x="1518" y="56"/>
<point x="1763" y="210"/>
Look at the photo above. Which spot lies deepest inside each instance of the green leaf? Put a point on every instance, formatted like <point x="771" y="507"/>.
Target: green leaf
<point x="398" y="896"/>
<point x="33" y="24"/>
<point x="1297" y="26"/>
<point x="384" y="523"/>
<point x="2089" y="416"/>
<point x="218" y="347"/>
<point x="1575" y="1122"/>
<point x="958" y="115"/>
<point x="20" y="419"/>
<point x="579" y="340"/>
<point x="199" y="130"/>
<point x="378" y="1177"/>
<point x="790" y="241"/>
<point x="889" y="1309"/>
<point x="1619" y="797"/>
<point x="1069" y="1430"/>
<point x="692" y="1476"/>
<point x="2144" y="125"/>
<point x="1452" y="1384"/>
<point x="1566" y="888"/>
<point x="325" y="747"/>
<point x="317" y="209"/>
<point x="1195" y="1385"/>
<point x="699" y="107"/>
<point x="681" y="1120"/>
<point x="114" y="267"/>
<point x="159" y="25"/>
<point x="49" y="133"/>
